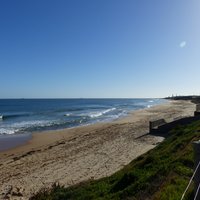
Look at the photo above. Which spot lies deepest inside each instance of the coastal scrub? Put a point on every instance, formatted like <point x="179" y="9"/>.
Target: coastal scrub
<point x="161" y="174"/>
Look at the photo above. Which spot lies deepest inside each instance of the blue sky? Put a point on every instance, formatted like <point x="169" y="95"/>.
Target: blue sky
<point x="101" y="48"/>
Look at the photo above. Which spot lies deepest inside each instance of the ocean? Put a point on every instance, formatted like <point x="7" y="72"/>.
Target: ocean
<point x="20" y="116"/>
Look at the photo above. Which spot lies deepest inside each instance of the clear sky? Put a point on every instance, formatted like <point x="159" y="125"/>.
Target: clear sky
<point x="99" y="48"/>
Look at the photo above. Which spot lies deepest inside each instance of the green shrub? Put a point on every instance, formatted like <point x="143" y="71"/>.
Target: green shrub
<point x="161" y="174"/>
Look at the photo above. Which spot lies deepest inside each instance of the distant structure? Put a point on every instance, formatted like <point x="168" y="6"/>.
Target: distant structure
<point x="189" y="97"/>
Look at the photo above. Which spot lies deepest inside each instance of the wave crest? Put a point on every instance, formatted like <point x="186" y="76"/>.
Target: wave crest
<point x="98" y="114"/>
<point x="13" y="116"/>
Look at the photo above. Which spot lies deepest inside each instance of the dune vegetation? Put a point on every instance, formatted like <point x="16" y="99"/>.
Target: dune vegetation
<point x="161" y="174"/>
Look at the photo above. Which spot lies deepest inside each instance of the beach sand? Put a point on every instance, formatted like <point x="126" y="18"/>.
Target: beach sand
<point x="74" y="155"/>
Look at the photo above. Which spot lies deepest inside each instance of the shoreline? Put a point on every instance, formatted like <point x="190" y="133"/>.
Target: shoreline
<point x="8" y="142"/>
<point x="71" y="156"/>
<point x="13" y="141"/>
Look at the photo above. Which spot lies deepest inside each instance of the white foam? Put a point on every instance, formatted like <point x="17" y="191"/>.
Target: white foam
<point x="98" y="114"/>
<point x="21" y="126"/>
<point x="32" y="123"/>
<point x="8" y="131"/>
<point x="67" y="114"/>
<point x="1" y="116"/>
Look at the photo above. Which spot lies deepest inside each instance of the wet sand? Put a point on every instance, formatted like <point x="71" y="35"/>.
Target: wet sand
<point x="12" y="141"/>
<point x="71" y="156"/>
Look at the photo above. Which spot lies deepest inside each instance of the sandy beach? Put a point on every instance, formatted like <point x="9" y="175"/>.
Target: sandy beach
<point x="71" y="156"/>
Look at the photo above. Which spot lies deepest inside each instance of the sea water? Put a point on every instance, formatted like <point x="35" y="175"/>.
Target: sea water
<point x="29" y="115"/>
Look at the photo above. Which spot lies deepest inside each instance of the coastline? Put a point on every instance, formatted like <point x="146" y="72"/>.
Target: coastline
<point x="71" y="156"/>
<point x="14" y="141"/>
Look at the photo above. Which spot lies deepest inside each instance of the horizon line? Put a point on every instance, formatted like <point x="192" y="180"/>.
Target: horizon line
<point x="82" y="98"/>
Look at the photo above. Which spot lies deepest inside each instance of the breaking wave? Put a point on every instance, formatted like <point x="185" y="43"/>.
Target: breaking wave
<point x="100" y="113"/>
